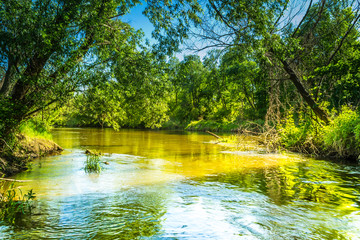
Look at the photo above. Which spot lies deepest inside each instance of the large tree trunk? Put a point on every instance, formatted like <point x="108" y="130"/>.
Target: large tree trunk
<point x="320" y="113"/>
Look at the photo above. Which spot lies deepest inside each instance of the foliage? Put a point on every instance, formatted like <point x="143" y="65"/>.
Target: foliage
<point x="33" y="128"/>
<point x="13" y="204"/>
<point x="43" y="47"/>
<point x="341" y="138"/>
<point x="342" y="135"/>
<point x="92" y="163"/>
<point x="76" y="63"/>
<point x="301" y="134"/>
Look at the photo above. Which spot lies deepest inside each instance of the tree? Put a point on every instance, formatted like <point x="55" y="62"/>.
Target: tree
<point x="43" y="45"/>
<point x="268" y="27"/>
<point x="190" y="88"/>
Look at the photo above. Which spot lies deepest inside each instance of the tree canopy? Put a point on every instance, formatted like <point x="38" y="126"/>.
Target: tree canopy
<point x="78" y="61"/>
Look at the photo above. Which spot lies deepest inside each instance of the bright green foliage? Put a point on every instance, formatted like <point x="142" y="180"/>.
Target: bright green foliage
<point x="301" y="134"/>
<point x="135" y="93"/>
<point x="98" y="106"/>
<point x="13" y="204"/>
<point x="341" y="138"/>
<point x="76" y="63"/>
<point x="43" y="46"/>
<point x="191" y="93"/>
<point x="342" y="135"/>
<point x="33" y="128"/>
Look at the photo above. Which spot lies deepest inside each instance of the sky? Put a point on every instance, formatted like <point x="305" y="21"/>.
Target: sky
<point x="138" y="21"/>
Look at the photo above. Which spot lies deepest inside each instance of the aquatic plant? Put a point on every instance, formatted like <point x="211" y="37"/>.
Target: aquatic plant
<point x="13" y="204"/>
<point x="92" y="163"/>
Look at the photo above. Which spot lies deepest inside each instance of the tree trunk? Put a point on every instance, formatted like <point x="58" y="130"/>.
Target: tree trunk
<point x="8" y="82"/>
<point x="320" y="113"/>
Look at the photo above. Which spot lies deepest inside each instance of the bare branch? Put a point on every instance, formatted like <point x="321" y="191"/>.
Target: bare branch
<point x="302" y="20"/>
<point x="342" y="40"/>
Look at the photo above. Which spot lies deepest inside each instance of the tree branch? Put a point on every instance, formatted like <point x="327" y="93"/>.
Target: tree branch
<point x="342" y="40"/>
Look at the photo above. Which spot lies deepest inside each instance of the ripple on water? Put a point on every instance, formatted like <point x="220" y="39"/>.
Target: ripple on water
<point x="161" y="185"/>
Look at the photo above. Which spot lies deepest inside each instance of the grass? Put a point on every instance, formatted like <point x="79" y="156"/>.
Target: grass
<point x="13" y="204"/>
<point x="92" y="163"/>
<point x="34" y="129"/>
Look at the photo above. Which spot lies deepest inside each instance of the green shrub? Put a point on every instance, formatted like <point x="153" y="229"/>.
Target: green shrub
<point x="342" y="135"/>
<point x="301" y="135"/>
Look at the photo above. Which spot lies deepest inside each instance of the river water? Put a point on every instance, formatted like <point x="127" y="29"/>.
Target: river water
<point x="178" y="185"/>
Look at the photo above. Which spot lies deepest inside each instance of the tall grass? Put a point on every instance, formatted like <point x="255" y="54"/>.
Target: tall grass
<point x="13" y="204"/>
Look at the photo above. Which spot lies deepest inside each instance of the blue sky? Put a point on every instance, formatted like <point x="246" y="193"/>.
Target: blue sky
<point x="138" y="21"/>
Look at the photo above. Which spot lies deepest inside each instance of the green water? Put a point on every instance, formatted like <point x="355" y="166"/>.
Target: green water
<point x="174" y="185"/>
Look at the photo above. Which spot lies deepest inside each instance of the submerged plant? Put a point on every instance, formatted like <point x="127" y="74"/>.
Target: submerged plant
<point x="92" y="163"/>
<point x="13" y="204"/>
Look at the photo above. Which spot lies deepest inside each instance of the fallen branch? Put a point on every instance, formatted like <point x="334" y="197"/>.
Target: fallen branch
<point x="213" y="134"/>
<point x="14" y="180"/>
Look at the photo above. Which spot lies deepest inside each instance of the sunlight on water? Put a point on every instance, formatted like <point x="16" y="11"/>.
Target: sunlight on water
<point x="179" y="185"/>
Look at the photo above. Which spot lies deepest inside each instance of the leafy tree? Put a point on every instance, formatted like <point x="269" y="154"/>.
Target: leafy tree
<point x="130" y="90"/>
<point x="43" y="45"/>
<point x="267" y="26"/>
<point x="191" y="96"/>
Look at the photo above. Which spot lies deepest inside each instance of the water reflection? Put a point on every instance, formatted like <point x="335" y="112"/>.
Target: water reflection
<point x="128" y="214"/>
<point x="165" y="185"/>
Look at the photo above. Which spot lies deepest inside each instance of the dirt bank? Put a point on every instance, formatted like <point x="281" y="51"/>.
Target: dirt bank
<point x="16" y="160"/>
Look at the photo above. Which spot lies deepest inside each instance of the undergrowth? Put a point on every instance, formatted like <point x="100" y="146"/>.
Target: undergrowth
<point x="339" y="139"/>
<point x="35" y="129"/>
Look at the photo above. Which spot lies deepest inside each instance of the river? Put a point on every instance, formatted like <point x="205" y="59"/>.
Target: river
<point x="179" y="185"/>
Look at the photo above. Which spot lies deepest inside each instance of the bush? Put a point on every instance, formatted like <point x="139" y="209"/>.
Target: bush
<point x="301" y="135"/>
<point x="35" y="129"/>
<point x="342" y="135"/>
<point x="341" y="138"/>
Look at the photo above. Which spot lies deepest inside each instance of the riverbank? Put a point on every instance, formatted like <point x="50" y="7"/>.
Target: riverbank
<point x="16" y="159"/>
<point x="338" y="140"/>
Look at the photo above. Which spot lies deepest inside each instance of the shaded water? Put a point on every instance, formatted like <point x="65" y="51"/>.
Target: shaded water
<point x="174" y="185"/>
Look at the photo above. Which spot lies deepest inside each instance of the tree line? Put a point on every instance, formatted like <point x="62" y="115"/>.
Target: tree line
<point x="291" y="65"/>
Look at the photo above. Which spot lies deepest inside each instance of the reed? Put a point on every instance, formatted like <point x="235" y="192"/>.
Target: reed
<point x="13" y="203"/>
<point x="92" y="163"/>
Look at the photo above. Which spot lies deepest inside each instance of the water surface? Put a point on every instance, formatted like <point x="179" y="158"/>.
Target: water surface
<point x="177" y="185"/>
